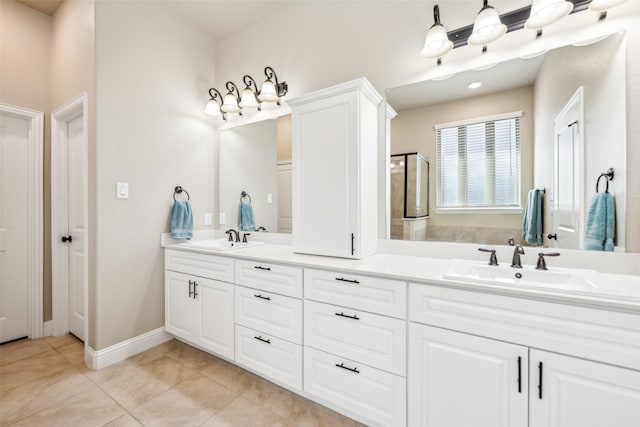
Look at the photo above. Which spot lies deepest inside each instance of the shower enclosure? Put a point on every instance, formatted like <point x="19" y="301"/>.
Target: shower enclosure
<point x="409" y="196"/>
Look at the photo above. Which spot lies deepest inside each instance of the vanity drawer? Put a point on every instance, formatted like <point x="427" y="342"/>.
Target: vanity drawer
<point x="203" y="265"/>
<point x="269" y="356"/>
<point x="382" y="296"/>
<point x="375" y="340"/>
<point x="604" y="335"/>
<point x="269" y="313"/>
<point x="376" y="395"/>
<point x="276" y="278"/>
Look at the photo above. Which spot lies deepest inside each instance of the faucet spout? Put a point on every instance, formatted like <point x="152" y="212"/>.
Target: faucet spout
<point x="515" y="262"/>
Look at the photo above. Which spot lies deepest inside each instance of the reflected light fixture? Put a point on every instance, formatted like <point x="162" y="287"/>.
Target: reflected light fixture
<point x="487" y="27"/>
<point x="474" y="85"/>
<point x="604" y="5"/>
<point x="249" y="97"/>
<point x="436" y="43"/>
<point x="270" y="91"/>
<point x="231" y="99"/>
<point x="213" y="106"/>
<point x="546" y="12"/>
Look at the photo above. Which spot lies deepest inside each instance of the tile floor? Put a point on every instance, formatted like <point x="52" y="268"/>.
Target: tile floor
<point x="46" y="383"/>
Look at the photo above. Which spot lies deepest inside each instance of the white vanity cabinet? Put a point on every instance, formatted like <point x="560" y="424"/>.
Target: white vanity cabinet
<point x="268" y="317"/>
<point x="335" y="158"/>
<point x="355" y="353"/>
<point x="509" y="373"/>
<point x="199" y="308"/>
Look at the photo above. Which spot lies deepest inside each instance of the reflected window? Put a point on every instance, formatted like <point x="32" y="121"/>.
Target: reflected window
<point x="478" y="163"/>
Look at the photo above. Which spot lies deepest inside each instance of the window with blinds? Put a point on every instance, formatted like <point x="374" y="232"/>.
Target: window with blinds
<point x="478" y="163"/>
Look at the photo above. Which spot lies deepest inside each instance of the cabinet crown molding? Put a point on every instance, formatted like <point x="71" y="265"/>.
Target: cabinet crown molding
<point x="361" y="84"/>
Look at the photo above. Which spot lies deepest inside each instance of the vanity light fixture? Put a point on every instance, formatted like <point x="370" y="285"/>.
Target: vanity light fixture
<point x="270" y="91"/>
<point x="250" y="93"/>
<point x="546" y="12"/>
<point x="213" y="106"/>
<point x="603" y="5"/>
<point x="231" y="99"/>
<point x="487" y="27"/>
<point x="436" y="43"/>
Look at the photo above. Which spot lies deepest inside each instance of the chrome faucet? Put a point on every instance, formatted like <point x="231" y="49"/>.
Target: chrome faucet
<point x="515" y="262"/>
<point x="230" y="232"/>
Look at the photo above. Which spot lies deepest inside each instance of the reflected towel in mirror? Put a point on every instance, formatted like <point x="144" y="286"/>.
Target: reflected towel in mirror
<point x="532" y="219"/>
<point x="601" y="223"/>
<point x="182" y="220"/>
<point x="245" y="217"/>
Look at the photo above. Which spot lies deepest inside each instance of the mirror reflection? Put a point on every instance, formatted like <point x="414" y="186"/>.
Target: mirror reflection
<point x="552" y="123"/>
<point x="255" y="176"/>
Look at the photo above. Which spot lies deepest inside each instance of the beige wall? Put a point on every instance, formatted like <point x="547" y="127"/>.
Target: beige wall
<point x="153" y="72"/>
<point x="284" y="138"/>
<point x="413" y="130"/>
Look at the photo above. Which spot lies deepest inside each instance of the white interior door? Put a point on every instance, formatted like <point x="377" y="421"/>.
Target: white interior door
<point x="284" y="198"/>
<point x="567" y="206"/>
<point x="14" y="205"/>
<point x="77" y="226"/>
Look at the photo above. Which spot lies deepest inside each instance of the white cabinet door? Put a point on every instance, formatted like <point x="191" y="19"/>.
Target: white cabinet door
<point x="335" y="146"/>
<point x="577" y="392"/>
<point x="459" y="380"/>
<point x="214" y="316"/>
<point x="179" y="305"/>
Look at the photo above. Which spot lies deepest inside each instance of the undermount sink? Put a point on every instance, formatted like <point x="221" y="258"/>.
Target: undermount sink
<point x="220" y="244"/>
<point x="479" y="272"/>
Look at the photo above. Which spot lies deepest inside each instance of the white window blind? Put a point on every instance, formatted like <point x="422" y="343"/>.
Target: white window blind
<point x="478" y="163"/>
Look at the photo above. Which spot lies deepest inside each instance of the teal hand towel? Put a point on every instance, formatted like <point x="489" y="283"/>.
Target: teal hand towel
<point x="245" y="217"/>
<point x="601" y="223"/>
<point x="532" y="218"/>
<point x="182" y="220"/>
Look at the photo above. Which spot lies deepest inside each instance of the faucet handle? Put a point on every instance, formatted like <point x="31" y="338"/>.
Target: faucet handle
<point x="493" y="259"/>
<point x="244" y="237"/>
<point x="230" y="236"/>
<point x="541" y="264"/>
<point x="511" y="241"/>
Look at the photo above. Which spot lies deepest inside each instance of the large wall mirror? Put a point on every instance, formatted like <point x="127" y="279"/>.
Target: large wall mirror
<point x="255" y="168"/>
<point x="478" y="191"/>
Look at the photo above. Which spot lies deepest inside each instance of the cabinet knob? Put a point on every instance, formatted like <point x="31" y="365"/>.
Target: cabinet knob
<point x="66" y="239"/>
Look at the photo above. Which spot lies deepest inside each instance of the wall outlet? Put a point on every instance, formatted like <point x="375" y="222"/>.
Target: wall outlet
<point x="222" y="218"/>
<point x="207" y="218"/>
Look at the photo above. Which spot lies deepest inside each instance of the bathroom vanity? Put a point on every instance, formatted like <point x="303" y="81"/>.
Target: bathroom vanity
<point x="389" y="341"/>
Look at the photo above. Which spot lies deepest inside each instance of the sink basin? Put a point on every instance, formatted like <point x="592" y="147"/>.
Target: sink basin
<point x="558" y="278"/>
<point x="220" y="244"/>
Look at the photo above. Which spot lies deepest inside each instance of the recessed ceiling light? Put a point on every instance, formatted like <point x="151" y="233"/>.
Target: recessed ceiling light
<point x="474" y="85"/>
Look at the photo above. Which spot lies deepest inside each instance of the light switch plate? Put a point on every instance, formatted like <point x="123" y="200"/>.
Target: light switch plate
<point x="222" y="218"/>
<point x="207" y="218"/>
<point x="122" y="190"/>
<point x="269" y="198"/>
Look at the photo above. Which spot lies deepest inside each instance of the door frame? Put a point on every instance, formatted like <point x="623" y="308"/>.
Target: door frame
<point x="35" y="232"/>
<point x="77" y="107"/>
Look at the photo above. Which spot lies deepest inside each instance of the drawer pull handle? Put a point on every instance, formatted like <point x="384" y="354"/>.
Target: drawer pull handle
<point x="195" y="292"/>
<point x="191" y="292"/>
<point x="354" y="317"/>
<point x="261" y="297"/>
<point x="342" y="279"/>
<point x="341" y="365"/>
<point x="259" y="338"/>
<point x="259" y="267"/>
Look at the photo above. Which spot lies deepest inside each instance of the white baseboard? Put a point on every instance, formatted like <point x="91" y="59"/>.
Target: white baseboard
<point x="47" y="328"/>
<point x="108" y="356"/>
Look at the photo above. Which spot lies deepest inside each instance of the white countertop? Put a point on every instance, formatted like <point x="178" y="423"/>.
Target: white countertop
<point x="619" y="291"/>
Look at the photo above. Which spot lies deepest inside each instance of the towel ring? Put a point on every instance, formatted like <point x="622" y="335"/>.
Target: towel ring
<point x="179" y="190"/>
<point x="245" y="194"/>
<point x="608" y="175"/>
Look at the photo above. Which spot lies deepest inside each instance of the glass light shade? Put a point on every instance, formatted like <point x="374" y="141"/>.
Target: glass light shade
<point x="213" y="109"/>
<point x="436" y="44"/>
<point x="487" y="27"/>
<point x="268" y="92"/>
<point x="230" y="104"/>
<point x="603" y="5"/>
<point x="546" y="12"/>
<point x="248" y="99"/>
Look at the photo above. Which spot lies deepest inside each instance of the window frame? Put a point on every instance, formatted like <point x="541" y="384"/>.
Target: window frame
<point x="491" y="210"/>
